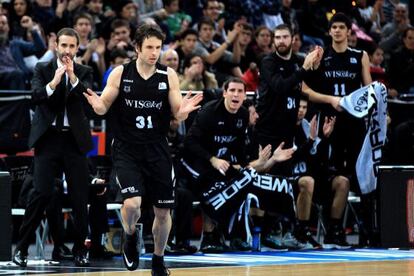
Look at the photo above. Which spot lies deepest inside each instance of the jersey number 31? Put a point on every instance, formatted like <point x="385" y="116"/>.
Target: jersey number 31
<point x="142" y="122"/>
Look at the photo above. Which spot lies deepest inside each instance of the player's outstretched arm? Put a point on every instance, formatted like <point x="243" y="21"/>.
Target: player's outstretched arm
<point x="101" y="104"/>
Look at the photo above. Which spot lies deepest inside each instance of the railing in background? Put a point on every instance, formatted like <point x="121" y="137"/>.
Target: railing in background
<point x="27" y="93"/>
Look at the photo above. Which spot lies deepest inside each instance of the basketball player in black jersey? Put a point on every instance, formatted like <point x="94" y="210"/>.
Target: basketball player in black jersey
<point x="281" y="74"/>
<point x="214" y="153"/>
<point x="342" y="70"/>
<point x="144" y="94"/>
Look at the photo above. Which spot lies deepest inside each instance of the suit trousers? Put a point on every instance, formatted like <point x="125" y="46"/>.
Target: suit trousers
<point x="56" y="152"/>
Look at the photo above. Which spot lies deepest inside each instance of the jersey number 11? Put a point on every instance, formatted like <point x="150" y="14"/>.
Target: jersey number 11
<point x="339" y="89"/>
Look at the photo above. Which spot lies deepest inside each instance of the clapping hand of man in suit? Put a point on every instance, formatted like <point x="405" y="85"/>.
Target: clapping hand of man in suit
<point x="68" y="64"/>
<point x="57" y="77"/>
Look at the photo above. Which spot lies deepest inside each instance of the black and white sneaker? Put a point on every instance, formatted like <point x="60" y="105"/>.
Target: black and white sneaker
<point x="304" y="236"/>
<point x="131" y="254"/>
<point x="336" y="239"/>
<point x="160" y="271"/>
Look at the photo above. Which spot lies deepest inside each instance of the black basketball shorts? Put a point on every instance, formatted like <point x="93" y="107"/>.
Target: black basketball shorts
<point x="145" y="170"/>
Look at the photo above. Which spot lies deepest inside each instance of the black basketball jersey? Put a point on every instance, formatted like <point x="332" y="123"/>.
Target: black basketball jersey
<point x="339" y="74"/>
<point x="216" y="132"/>
<point x="142" y="110"/>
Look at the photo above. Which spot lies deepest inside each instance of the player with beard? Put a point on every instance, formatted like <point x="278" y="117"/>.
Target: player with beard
<point x="281" y="74"/>
<point x="61" y="138"/>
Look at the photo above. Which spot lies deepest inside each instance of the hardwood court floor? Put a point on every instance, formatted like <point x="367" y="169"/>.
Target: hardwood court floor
<point x="330" y="269"/>
<point x="350" y="262"/>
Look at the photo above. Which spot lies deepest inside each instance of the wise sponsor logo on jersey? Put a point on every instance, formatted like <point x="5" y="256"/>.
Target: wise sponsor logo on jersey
<point x="340" y="74"/>
<point x="141" y="104"/>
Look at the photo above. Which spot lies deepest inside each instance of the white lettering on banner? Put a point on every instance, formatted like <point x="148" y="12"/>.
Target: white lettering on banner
<point x="220" y="199"/>
<point x="362" y="103"/>
<point x="374" y="139"/>
<point x="273" y="183"/>
<point x="143" y="104"/>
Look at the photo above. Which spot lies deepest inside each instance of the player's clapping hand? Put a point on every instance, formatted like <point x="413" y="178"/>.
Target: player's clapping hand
<point x="280" y="154"/>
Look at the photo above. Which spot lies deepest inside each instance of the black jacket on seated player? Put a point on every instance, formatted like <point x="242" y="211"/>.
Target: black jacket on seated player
<point x="215" y="132"/>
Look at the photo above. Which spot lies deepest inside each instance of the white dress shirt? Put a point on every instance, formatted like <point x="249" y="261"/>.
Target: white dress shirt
<point x="50" y="92"/>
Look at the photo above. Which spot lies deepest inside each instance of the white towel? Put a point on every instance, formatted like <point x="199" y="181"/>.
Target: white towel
<point x="370" y="100"/>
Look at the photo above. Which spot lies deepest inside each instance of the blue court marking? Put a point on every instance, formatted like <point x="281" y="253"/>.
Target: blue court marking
<point x="292" y="257"/>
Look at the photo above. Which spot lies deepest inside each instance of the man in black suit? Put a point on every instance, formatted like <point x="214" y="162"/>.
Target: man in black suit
<point x="61" y="138"/>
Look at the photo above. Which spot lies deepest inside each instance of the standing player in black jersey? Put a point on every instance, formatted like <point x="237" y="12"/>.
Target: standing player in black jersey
<point x="342" y="70"/>
<point x="144" y="95"/>
<point x="279" y="90"/>
<point x="281" y="74"/>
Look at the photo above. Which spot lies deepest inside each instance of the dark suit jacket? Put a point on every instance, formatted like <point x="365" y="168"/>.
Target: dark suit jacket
<point x="47" y="108"/>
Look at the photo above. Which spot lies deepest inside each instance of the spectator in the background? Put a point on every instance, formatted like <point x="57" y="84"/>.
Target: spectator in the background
<point x="263" y="42"/>
<point x="195" y="77"/>
<point x="352" y="39"/>
<point x="250" y="11"/>
<point x="176" y="20"/>
<point x="14" y="74"/>
<point x="313" y="23"/>
<point x="44" y="14"/>
<point x="372" y="17"/>
<point x="392" y="31"/>
<point x="248" y="64"/>
<point x="186" y="47"/>
<point x="244" y="39"/>
<point x="120" y="38"/>
<point x="288" y="15"/>
<point x="151" y="8"/>
<point x="251" y="77"/>
<point x="31" y="60"/>
<point x="60" y="16"/>
<point x="11" y="77"/>
<point x="388" y="8"/>
<point x="117" y="57"/>
<point x="90" y="52"/>
<point x="376" y="58"/>
<point x="127" y="9"/>
<point x="17" y="9"/>
<point x="170" y="59"/>
<point x="3" y="10"/>
<point x="212" y="10"/>
<point x="297" y="45"/>
<point x="121" y="10"/>
<point x="220" y="60"/>
<point x="401" y="69"/>
<point x="95" y="9"/>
